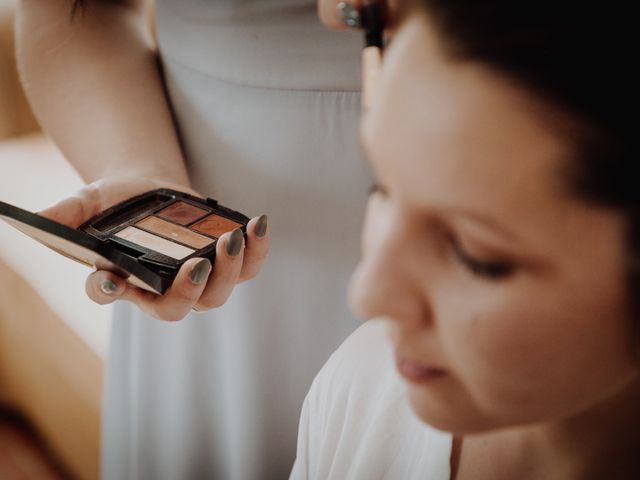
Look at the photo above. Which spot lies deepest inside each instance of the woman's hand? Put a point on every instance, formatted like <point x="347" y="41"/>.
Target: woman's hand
<point x="197" y="286"/>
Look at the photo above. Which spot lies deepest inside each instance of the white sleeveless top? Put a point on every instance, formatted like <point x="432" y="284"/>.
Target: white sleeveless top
<point x="357" y="423"/>
<point x="267" y="105"/>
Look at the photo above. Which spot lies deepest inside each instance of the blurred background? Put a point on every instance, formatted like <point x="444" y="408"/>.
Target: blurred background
<point x="53" y="340"/>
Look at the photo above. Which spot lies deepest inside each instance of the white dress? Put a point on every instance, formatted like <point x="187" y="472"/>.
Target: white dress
<point x="357" y="423"/>
<point x="267" y="104"/>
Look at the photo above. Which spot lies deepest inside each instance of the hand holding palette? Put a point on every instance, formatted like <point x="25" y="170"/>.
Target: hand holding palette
<point x="145" y="239"/>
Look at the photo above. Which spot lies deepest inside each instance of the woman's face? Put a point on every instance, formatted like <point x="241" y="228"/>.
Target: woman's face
<point x="505" y="296"/>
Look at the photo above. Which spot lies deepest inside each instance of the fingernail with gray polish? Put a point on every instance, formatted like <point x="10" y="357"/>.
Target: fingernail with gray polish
<point x="261" y="226"/>
<point x="234" y="245"/>
<point x="108" y="287"/>
<point x="200" y="271"/>
<point x="349" y="15"/>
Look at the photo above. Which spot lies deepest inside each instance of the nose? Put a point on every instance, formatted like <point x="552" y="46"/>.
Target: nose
<point x="388" y="282"/>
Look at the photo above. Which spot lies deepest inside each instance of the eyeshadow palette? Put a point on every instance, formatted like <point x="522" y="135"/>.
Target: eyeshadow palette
<point x="144" y="239"/>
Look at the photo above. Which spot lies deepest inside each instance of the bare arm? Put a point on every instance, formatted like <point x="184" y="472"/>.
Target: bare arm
<point x="94" y="84"/>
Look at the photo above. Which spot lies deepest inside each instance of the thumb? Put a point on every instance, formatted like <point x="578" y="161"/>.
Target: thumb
<point x="72" y="211"/>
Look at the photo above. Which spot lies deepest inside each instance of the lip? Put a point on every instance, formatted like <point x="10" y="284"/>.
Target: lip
<point x="418" y="373"/>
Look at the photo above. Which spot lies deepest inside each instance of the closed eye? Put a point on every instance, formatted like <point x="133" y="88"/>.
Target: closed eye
<point x="486" y="269"/>
<point x="377" y="188"/>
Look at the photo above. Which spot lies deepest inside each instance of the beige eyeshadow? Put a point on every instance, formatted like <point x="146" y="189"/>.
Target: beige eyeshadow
<point x="182" y="213"/>
<point x="153" y="242"/>
<point x="174" y="232"/>
<point x="215" y="225"/>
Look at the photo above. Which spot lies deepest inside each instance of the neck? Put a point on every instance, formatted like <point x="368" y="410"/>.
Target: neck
<point x="600" y="443"/>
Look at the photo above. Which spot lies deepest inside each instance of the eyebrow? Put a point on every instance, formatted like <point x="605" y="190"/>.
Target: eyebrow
<point x="485" y="221"/>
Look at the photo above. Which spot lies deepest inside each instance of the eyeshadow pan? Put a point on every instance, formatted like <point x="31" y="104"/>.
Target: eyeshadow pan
<point x="182" y="213"/>
<point x="174" y="232"/>
<point x="215" y="225"/>
<point x="153" y="242"/>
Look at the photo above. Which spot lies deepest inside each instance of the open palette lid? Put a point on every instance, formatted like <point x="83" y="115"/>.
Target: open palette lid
<point x="80" y="246"/>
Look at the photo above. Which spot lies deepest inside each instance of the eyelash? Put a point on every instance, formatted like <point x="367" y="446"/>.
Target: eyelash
<point x="492" y="271"/>
<point x="375" y="188"/>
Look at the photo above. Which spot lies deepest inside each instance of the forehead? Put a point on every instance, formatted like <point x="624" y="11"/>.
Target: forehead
<point x="460" y="135"/>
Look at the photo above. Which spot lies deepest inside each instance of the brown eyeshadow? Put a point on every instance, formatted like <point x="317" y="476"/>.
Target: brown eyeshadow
<point x="182" y="213"/>
<point x="155" y="243"/>
<point x="215" y="225"/>
<point x="174" y="232"/>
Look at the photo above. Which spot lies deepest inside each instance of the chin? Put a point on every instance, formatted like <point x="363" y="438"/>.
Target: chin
<point x="447" y="413"/>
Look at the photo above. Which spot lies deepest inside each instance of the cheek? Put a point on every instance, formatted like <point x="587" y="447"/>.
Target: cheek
<point x="520" y="350"/>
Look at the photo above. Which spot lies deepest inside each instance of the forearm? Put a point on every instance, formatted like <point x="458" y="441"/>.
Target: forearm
<point x="94" y="84"/>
